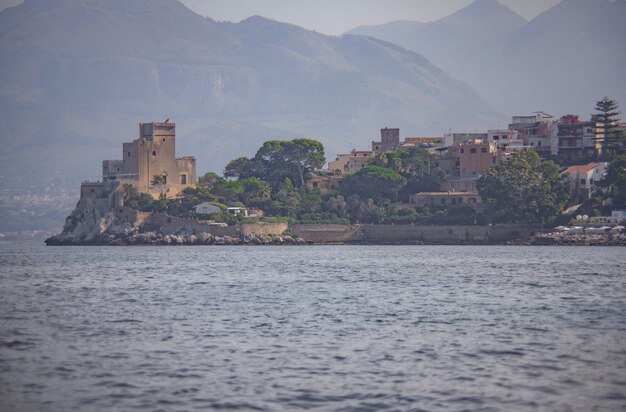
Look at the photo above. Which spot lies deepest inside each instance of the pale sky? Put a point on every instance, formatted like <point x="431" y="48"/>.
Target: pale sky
<point x="338" y="16"/>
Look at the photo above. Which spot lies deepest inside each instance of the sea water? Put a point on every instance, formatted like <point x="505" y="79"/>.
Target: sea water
<point x="349" y="328"/>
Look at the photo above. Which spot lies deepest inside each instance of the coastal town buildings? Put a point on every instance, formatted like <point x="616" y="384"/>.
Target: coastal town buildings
<point x="538" y="131"/>
<point x="576" y="137"/>
<point x="586" y="177"/>
<point x="471" y="158"/>
<point x="506" y="140"/>
<point x="451" y="139"/>
<point x="352" y="162"/>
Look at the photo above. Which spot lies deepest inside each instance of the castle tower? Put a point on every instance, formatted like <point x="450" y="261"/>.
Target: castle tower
<point x="153" y="154"/>
<point x="390" y="139"/>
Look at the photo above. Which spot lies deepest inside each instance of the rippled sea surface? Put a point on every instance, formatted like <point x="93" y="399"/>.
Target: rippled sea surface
<point x="347" y="328"/>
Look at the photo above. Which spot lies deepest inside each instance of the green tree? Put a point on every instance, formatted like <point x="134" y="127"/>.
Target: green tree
<point x="375" y="182"/>
<point x="606" y="120"/>
<point x="227" y="189"/>
<point x="615" y="180"/>
<point x="159" y="180"/>
<point x="239" y="167"/>
<point x="254" y="186"/>
<point x="279" y="159"/>
<point x="137" y="200"/>
<point x="525" y="189"/>
<point x="305" y="155"/>
<point x="208" y="180"/>
<point x="417" y="165"/>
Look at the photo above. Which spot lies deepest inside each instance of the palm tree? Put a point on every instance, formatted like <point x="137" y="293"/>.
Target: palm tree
<point x="159" y="180"/>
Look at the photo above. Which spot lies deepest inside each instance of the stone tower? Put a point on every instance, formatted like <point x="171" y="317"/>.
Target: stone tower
<point x="390" y="139"/>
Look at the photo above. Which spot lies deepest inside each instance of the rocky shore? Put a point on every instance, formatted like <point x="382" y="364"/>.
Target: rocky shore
<point x="121" y="228"/>
<point x="573" y="239"/>
<point x="180" y="239"/>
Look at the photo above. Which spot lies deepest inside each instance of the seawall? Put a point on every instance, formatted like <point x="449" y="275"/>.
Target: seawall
<point x="413" y="234"/>
<point x="122" y="225"/>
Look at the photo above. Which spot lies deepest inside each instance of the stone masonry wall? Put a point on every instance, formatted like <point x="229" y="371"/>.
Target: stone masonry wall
<point x="264" y="229"/>
<point x="410" y="234"/>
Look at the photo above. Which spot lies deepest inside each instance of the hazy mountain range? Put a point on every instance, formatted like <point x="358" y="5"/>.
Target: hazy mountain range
<point x="562" y="61"/>
<point x="78" y="75"/>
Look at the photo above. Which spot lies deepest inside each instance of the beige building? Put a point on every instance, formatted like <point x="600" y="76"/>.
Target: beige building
<point x="323" y="181"/>
<point x="472" y="158"/>
<point x="506" y="140"/>
<point x="444" y="199"/>
<point x="538" y="131"/>
<point x="152" y="154"/>
<point x="352" y="162"/>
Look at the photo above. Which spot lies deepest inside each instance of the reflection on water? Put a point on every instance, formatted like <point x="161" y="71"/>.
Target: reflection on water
<point x="328" y="328"/>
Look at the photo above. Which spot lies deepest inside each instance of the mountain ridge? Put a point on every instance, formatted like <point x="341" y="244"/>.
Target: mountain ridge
<point x="88" y="71"/>
<point x="561" y="61"/>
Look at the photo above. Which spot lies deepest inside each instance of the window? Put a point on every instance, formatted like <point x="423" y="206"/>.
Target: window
<point x="164" y="139"/>
<point x="461" y="150"/>
<point x="497" y="137"/>
<point x="154" y="153"/>
<point x="583" y="181"/>
<point x="128" y="154"/>
<point x="539" y="144"/>
<point x="183" y="179"/>
<point x="472" y="150"/>
<point x="483" y="150"/>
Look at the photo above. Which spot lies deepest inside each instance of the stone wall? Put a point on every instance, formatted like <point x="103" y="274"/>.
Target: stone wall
<point x="325" y="233"/>
<point x="171" y="225"/>
<point x="263" y="228"/>
<point x="412" y="234"/>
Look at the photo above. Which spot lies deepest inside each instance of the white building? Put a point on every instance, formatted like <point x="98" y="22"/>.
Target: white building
<point x="586" y="177"/>
<point x="206" y="208"/>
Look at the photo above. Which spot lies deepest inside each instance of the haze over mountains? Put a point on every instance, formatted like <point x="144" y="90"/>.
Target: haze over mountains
<point x="77" y="77"/>
<point x="562" y="61"/>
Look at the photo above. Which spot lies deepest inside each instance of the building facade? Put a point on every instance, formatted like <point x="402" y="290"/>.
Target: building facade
<point x="539" y="131"/>
<point x="586" y="178"/>
<point x="576" y="137"/>
<point x="445" y="199"/>
<point x="389" y="141"/>
<point x="472" y="158"/>
<point x="152" y="155"/>
<point x="352" y="162"/>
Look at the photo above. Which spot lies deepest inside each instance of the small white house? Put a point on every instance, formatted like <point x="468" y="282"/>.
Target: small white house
<point x="206" y="208"/>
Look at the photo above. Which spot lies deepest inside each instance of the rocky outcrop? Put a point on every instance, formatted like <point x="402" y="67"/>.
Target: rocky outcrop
<point x="121" y="227"/>
<point x="574" y="239"/>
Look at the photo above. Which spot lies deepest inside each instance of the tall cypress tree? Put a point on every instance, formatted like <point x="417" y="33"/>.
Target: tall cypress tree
<point x="606" y="120"/>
